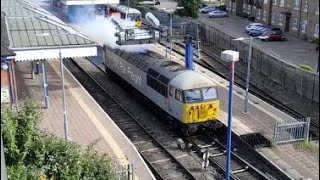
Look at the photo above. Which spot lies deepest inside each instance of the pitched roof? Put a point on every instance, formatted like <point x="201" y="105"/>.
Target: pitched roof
<point x="5" y="51"/>
<point x="26" y="22"/>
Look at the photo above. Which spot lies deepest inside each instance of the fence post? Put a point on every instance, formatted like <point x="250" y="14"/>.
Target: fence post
<point x="308" y="127"/>
<point x="274" y="132"/>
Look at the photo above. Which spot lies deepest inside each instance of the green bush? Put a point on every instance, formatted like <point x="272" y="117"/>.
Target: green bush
<point x="307" y="68"/>
<point x="153" y="8"/>
<point x="307" y="146"/>
<point x="32" y="154"/>
<point x="222" y="8"/>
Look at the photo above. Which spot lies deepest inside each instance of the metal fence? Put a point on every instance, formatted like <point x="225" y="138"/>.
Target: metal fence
<point x="125" y="172"/>
<point x="290" y="131"/>
<point x="285" y="74"/>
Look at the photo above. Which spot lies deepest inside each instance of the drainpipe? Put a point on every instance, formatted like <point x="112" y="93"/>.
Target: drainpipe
<point x="299" y="21"/>
<point x="270" y="12"/>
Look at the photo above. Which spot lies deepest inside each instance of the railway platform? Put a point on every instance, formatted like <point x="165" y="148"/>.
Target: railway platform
<point x="261" y="119"/>
<point x="87" y="121"/>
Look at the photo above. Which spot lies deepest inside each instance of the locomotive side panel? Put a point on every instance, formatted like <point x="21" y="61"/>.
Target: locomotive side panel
<point x="135" y="77"/>
<point x="125" y="70"/>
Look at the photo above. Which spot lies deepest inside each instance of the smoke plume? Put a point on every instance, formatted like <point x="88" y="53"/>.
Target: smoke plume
<point x="102" y="30"/>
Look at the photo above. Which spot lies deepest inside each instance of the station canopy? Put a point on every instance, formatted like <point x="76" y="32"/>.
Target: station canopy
<point x="36" y="34"/>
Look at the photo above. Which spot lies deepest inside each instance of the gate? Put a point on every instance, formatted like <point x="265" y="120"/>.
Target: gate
<point x="290" y="131"/>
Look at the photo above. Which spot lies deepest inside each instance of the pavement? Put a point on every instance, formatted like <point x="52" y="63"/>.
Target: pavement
<point x="87" y="120"/>
<point x="260" y="119"/>
<point x="294" y="51"/>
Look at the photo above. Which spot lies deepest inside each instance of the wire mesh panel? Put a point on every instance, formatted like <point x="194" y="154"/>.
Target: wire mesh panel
<point x="290" y="131"/>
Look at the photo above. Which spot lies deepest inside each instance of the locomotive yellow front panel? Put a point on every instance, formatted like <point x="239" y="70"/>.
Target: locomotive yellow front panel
<point x="138" y="23"/>
<point x="200" y="112"/>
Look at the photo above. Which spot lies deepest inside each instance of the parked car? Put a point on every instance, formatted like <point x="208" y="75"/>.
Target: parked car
<point x="273" y="35"/>
<point x="252" y="26"/>
<point x="218" y="13"/>
<point x="258" y="31"/>
<point x="207" y="9"/>
<point x="157" y="2"/>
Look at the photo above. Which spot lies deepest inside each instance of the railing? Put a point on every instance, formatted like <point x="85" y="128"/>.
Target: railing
<point x="290" y="131"/>
<point x="125" y="172"/>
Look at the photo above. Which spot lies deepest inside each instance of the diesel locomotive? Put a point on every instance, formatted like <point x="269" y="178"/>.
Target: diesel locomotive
<point x="184" y="97"/>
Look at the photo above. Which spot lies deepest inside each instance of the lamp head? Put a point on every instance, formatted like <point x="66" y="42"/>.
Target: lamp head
<point x="230" y="56"/>
<point x="4" y="66"/>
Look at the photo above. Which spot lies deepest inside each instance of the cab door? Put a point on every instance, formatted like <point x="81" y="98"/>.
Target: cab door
<point x="175" y="103"/>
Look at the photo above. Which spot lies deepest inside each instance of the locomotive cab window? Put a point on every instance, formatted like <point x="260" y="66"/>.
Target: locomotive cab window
<point x="192" y="95"/>
<point x="171" y="91"/>
<point x="210" y="93"/>
<point x="178" y="95"/>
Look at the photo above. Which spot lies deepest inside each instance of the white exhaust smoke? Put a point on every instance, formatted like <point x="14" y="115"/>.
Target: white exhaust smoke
<point x="102" y="31"/>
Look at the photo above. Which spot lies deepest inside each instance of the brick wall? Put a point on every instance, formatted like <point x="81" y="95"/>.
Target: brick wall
<point x="5" y="80"/>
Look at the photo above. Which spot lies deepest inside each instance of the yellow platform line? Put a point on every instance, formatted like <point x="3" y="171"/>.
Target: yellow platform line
<point x="108" y="138"/>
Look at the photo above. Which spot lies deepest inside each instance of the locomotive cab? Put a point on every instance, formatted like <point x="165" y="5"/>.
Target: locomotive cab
<point x="193" y="99"/>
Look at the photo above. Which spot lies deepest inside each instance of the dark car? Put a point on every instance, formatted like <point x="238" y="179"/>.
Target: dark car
<point x="157" y="2"/>
<point x="275" y="34"/>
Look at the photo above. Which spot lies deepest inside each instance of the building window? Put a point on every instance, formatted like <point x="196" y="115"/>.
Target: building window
<point x="296" y="4"/>
<point x="317" y="12"/>
<point x="295" y="24"/>
<point x="280" y="19"/>
<point x="282" y="3"/>
<point x="273" y="18"/>
<point x="274" y="2"/>
<point x="264" y="16"/>
<point x="303" y="26"/>
<point x="249" y="9"/>
<point x="316" y="31"/>
<point x="305" y="7"/>
<point x="265" y="1"/>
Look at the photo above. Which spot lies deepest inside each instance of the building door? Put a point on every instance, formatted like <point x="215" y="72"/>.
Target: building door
<point x="287" y="23"/>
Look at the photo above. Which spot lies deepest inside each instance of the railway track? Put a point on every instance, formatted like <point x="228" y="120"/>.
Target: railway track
<point x="222" y="69"/>
<point x="240" y="169"/>
<point x="164" y="164"/>
<point x="142" y="137"/>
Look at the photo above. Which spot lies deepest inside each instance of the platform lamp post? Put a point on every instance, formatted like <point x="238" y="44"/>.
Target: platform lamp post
<point x="248" y="70"/>
<point x="65" y="120"/>
<point x="170" y="11"/>
<point x="232" y="57"/>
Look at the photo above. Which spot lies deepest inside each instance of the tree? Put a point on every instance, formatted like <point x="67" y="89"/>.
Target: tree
<point x="32" y="154"/>
<point x="190" y="8"/>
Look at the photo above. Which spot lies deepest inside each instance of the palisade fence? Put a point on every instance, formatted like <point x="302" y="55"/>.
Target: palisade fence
<point x="125" y="172"/>
<point x="290" y="131"/>
<point x="305" y="83"/>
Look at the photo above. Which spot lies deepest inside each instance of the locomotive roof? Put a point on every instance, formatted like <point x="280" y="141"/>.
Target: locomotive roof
<point x="191" y="80"/>
<point x="180" y="76"/>
<point x="124" y="9"/>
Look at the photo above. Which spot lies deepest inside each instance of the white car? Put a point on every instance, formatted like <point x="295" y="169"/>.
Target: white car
<point x="217" y="13"/>
<point x="253" y="26"/>
<point x="207" y="9"/>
